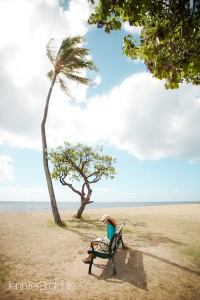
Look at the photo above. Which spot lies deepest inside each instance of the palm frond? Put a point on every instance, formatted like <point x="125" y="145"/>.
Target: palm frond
<point x="50" y="75"/>
<point x="78" y="79"/>
<point x="77" y="67"/>
<point x="51" y="51"/>
<point x="70" y="60"/>
<point x="70" y="42"/>
<point x="72" y="54"/>
<point x="64" y="87"/>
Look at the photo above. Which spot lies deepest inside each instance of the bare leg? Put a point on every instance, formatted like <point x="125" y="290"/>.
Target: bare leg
<point x="93" y="244"/>
<point x="88" y="259"/>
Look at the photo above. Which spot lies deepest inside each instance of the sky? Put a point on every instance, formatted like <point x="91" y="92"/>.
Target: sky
<point x="153" y="133"/>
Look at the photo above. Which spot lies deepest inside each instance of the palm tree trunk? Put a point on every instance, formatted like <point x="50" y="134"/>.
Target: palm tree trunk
<point x="54" y="207"/>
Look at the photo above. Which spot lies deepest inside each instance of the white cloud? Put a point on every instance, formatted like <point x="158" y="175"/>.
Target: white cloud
<point x="97" y="80"/>
<point x="25" y="29"/>
<point x="11" y="193"/>
<point x="6" y="169"/>
<point x="131" y="29"/>
<point x="14" y="193"/>
<point x="138" y="116"/>
<point x="146" y="120"/>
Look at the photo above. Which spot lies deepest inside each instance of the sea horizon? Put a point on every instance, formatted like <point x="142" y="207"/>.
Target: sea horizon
<point x="21" y="206"/>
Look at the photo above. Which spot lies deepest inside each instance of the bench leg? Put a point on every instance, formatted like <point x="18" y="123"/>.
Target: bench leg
<point x="123" y="246"/>
<point x="90" y="266"/>
<point x="114" y="268"/>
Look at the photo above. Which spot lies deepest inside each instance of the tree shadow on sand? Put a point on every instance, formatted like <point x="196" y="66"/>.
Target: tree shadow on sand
<point x="129" y="267"/>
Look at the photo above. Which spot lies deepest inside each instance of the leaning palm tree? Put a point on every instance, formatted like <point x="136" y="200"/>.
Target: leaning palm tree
<point x="68" y="63"/>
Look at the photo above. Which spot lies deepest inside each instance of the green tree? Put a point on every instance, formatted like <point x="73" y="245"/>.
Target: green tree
<point x="68" y="63"/>
<point x="170" y="36"/>
<point x="83" y="164"/>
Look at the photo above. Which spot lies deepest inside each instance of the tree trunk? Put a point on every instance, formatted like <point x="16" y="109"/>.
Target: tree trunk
<point x="81" y="209"/>
<point x="84" y="202"/>
<point x="54" y="207"/>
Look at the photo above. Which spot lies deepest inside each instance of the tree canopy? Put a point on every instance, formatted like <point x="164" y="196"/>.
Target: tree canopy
<point x="81" y="163"/>
<point x="170" y="35"/>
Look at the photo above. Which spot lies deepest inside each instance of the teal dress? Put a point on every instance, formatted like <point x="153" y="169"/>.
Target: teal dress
<point x="107" y="238"/>
<point x="110" y="231"/>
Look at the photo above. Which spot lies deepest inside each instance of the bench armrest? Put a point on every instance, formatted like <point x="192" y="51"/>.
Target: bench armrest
<point x="120" y="228"/>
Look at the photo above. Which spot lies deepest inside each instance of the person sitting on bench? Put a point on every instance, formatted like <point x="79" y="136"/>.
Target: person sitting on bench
<point x="111" y="228"/>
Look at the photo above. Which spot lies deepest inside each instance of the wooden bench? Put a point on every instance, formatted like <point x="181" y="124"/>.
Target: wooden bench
<point x="112" y="249"/>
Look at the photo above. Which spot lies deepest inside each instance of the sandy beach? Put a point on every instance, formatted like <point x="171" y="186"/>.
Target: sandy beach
<point x="40" y="260"/>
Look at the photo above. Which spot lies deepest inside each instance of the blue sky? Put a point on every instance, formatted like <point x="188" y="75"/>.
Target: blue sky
<point x="153" y="133"/>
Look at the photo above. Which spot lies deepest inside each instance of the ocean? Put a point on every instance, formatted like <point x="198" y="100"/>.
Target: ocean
<point x="22" y="206"/>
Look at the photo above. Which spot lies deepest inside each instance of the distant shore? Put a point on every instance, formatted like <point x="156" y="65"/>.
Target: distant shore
<point x="40" y="260"/>
<point x="17" y="206"/>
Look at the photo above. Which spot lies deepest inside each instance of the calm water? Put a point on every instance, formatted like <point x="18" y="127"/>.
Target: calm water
<point x="20" y="206"/>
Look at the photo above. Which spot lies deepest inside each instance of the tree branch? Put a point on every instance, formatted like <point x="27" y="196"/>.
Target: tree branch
<point x="62" y="180"/>
<point x="83" y="191"/>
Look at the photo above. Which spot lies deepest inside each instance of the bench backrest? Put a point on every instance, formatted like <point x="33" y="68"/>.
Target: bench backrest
<point x="116" y="239"/>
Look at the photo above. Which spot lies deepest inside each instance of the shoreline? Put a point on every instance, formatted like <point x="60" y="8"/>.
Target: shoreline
<point x="7" y="206"/>
<point x="162" y="259"/>
<point x="182" y="211"/>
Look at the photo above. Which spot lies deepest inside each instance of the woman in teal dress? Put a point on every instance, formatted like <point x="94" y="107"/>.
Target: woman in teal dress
<point x="111" y="228"/>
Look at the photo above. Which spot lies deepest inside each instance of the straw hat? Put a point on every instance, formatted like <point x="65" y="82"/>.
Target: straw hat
<point x="104" y="218"/>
